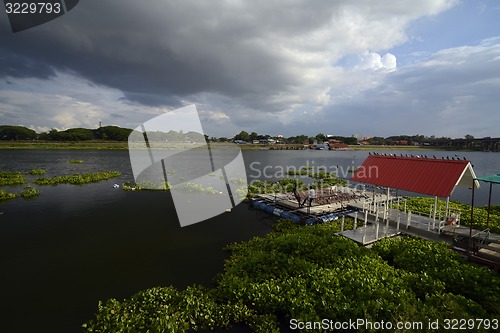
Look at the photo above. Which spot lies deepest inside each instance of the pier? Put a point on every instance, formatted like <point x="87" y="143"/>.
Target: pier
<point x="377" y="214"/>
<point x="329" y="204"/>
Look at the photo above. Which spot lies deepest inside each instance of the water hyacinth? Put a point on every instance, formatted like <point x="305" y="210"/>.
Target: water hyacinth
<point x="8" y="178"/>
<point x="35" y="172"/>
<point x="78" y="179"/>
<point x="28" y="193"/>
<point x="4" y="195"/>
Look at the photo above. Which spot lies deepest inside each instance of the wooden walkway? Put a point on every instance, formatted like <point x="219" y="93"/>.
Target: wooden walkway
<point x="381" y="223"/>
<point x="485" y="246"/>
<point x="354" y="198"/>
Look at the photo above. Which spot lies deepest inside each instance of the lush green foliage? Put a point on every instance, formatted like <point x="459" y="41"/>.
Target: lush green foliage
<point x="77" y="179"/>
<point x="445" y="271"/>
<point x="113" y="133"/>
<point x="169" y="310"/>
<point x="309" y="274"/>
<point x="420" y="204"/>
<point x="8" y="178"/>
<point x="16" y="133"/>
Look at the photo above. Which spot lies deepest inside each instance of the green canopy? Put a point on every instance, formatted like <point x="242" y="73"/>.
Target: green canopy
<point x="490" y="179"/>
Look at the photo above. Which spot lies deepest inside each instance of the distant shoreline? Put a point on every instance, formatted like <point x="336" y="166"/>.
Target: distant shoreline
<point x="68" y="145"/>
<point x="123" y="145"/>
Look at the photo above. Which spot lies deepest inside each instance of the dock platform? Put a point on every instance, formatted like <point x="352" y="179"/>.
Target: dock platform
<point x="374" y="220"/>
<point x="369" y="234"/>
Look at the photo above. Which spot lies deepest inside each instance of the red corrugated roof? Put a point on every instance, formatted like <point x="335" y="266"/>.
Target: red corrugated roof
<point x="430" y="176"/>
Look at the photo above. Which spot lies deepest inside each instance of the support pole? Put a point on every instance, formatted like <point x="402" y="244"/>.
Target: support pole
<point x="355" y="220"/>
<point x="399" y="221"/>
<point x="447" y="211"/>
<point x="387" y="200"/>
<point x="376" y="228"/>
<point x="342" y="226"/>
<point x="386" y="226"/>
<point x="428" y="224"/>
<point x="489" y="208"/>
<point x="435" y="207"/>
<point x="471" y="219"/>
<point x="408" y="220"/>
<point x="364" y="227"/>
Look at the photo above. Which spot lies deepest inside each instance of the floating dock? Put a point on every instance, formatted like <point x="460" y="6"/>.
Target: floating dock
<point x="329" y="204"/>
<point x="374" y="220"/>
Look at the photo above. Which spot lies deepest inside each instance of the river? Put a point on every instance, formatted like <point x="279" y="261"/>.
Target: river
<point x="73" y="246"/>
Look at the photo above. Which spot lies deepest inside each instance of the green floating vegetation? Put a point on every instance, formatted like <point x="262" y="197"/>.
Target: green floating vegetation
<point x="196" y="188"/>
<point x="306" y="274"/>
<point x="166" y="186"/>
<point x="78" y="179"/>
<point x="146" y="186"/>
<point x="5" y="195"/>
<point x="423" y="205"/>
<point x="28" y="193"/>
<point x="9" y="178"/>
<point x="75" y="161"/>
<point x="300" y="172"/>
<point x="238" y="181"/>
<point x="287" y="185"/>
<point x="36" y="172"/>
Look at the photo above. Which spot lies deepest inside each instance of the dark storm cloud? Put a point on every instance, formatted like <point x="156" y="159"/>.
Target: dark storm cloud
<point x="266" y="64"/>
<point x="160" y="48"/>
<point x="17" y="65"/>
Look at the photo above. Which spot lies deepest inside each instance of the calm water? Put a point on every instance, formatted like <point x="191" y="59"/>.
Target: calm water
<point x="75" y="245"/>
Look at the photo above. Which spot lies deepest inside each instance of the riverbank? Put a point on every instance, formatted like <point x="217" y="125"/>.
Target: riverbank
<point x="92" y="145"/>
<point x="123" y="145"/>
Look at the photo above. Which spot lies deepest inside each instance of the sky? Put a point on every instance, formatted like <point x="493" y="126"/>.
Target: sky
<point x="344" y="67"/>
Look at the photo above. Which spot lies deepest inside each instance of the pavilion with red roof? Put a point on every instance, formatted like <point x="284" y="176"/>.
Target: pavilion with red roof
<point x="431" y="176"/>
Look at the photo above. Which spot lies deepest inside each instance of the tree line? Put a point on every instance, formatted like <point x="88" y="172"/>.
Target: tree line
<point x="111" y="133"/>
<point x="350" y="140"/>
<point x="116" y="133"/>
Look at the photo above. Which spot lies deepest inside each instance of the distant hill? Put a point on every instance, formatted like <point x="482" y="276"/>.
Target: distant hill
<point x="106" y="133"/>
